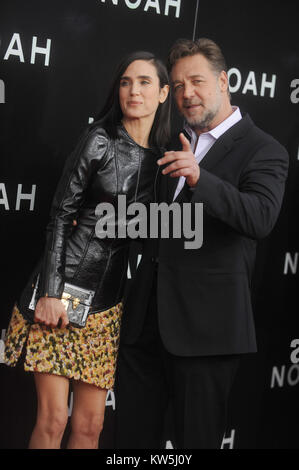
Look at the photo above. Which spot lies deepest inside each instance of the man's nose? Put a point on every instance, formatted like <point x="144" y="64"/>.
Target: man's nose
<point x="188" y="91"/>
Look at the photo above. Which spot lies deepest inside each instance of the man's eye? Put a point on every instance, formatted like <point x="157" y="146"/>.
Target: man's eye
<point x="178" y="87"/>
<point x="197" y="81"/>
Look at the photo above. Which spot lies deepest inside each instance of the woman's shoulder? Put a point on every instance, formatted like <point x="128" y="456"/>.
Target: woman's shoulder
<point x="93" y="140"/>
<point x="92" y="144"/>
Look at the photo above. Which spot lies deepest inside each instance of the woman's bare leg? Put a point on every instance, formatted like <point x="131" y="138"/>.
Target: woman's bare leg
<point x="87" y="416"/>
<point x="52" y="413"/>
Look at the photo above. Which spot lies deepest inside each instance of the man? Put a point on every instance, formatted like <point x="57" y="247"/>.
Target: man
<point x="188" y="317"/>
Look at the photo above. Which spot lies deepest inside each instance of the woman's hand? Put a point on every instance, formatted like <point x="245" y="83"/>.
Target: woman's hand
<point x="49" y="310"/>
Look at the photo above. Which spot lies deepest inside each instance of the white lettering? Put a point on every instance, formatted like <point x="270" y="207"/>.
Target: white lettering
<point x="290" y="263"/>
<point x="170" y="459"/>
<point x="295" y="93"/>
<point x="138" y="260"/>
<point x="110" y="399"/>
<point x="133" y="5"/>
<point x="137" y="226"/>
<point x="23" y="196"/>
<point x="250" y="84"/>
<point x="4" y="199"/>
<point x="2" y="91"/>
<point x="20" y="196"/>
<point x="105" y="226"/>
<point x="295" y="354"/>
<point x="129" y="275"/>
<point x="270" y="85"/>
<point x="164" y="209"/>
<point x="293" y="380"/>
<point x="153" y="4"/>
<point x="122" y="217"/>
<point x="169" y="445"/>
<point x="90" y="120"/>
<point x="197" y="233"/>
<point x="234" y="75"/>
<point x="237" y="73"/>
<point x="18" y="51"/>
<point x="279" y="377"/>
<point x="115" y="2"/>
<point x="229" y="440"/>
<point x="40" y="50"/>
<point x="173" y="3"/>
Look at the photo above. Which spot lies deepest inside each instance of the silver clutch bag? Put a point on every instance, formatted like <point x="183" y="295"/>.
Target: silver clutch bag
<point x="76" y="300"/>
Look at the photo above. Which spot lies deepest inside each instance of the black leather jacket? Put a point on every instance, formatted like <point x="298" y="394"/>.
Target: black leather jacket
<point x="99" y="169"/>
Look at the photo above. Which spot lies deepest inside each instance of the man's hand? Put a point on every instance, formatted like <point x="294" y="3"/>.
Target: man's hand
<point x="183" y="163"/>
<point x="49" y="310"/>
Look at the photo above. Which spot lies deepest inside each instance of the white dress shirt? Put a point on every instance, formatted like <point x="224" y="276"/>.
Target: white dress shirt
<point x="201" y="144"/>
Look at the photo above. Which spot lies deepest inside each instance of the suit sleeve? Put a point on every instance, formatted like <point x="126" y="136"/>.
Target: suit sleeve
<point x="253" y="207"/>
<point x="69" y="196"/>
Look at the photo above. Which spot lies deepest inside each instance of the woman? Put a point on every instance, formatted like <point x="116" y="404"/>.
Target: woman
<point x="117" y="155"/>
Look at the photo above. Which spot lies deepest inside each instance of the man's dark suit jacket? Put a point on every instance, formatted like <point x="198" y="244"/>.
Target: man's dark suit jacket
<point x="203" y="295"/>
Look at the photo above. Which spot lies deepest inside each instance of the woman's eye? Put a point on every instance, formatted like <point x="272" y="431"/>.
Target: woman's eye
<point x="144" y="82"/>
<point x="123" y="83"/>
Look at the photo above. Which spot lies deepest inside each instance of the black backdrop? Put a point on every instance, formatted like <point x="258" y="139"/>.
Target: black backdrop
<point x="55" y="62"/>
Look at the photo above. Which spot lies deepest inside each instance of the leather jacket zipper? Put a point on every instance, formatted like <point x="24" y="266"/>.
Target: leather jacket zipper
<point x="138" y="175"/>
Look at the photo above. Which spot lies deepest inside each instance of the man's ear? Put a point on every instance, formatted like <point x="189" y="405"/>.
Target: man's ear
<point x="223" y="81"/>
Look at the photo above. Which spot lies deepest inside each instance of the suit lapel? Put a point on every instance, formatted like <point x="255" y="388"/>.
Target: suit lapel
<point x="217" y="152"/>
<point x="225" y="143"/>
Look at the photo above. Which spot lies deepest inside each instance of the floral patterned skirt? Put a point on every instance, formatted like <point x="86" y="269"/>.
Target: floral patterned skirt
<point x="88" y="354"/>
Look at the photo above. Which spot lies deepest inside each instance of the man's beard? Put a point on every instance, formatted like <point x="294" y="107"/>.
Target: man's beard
<point x="204" y="122"/>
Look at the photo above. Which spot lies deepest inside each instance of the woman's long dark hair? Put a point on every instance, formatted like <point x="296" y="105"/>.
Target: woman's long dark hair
<point x="111" y="114"/>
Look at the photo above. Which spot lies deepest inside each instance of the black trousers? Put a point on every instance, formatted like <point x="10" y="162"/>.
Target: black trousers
<point x="149" y="378"/>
